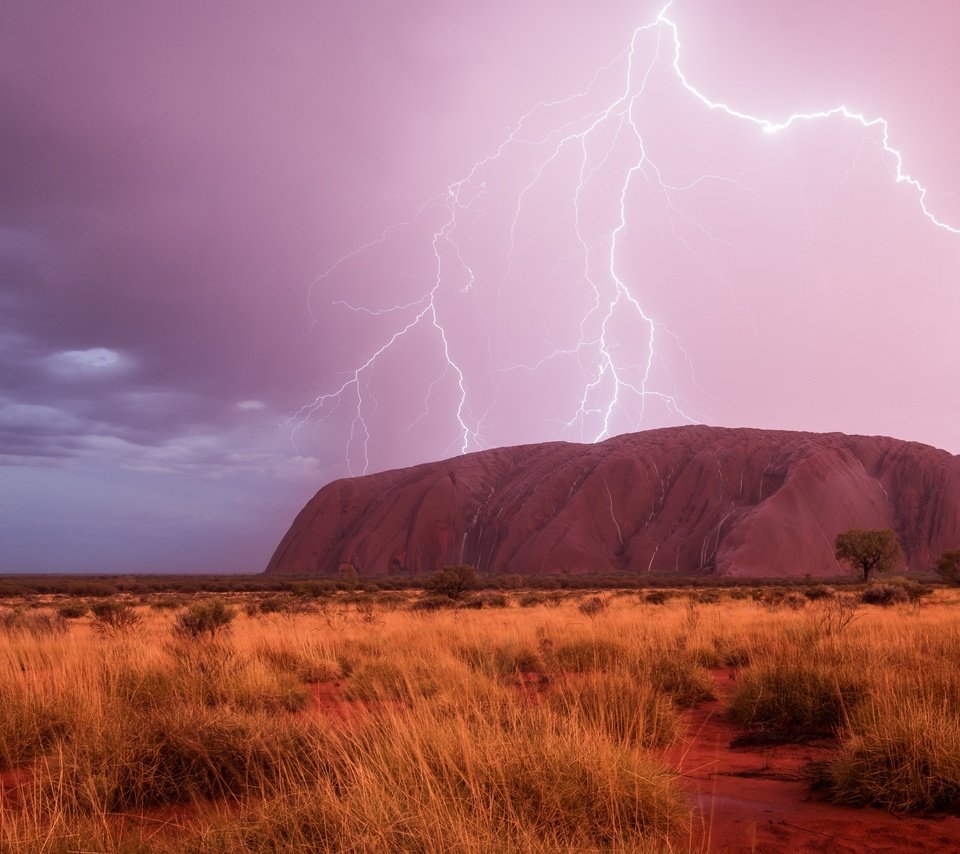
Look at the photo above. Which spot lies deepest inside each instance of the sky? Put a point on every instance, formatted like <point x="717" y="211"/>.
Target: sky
<point x="247" y="247"/>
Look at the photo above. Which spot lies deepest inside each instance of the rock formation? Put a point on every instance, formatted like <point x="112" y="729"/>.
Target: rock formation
<point x="681" y="500"/>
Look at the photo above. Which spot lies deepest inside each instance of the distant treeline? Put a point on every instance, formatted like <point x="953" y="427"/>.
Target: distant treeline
<point x="313" y="586"/>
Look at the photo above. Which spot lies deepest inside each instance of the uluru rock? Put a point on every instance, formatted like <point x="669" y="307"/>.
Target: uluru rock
<point x="681" y="500"/>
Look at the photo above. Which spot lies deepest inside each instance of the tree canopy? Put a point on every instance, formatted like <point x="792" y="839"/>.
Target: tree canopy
<point x="453" y="581"/>
<point x="867" y="550"/>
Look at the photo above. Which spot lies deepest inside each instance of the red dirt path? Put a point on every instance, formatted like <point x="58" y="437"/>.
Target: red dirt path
<point x="758" y="799"/>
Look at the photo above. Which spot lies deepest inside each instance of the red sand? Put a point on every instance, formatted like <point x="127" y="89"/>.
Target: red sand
<point x="758" y="799"/>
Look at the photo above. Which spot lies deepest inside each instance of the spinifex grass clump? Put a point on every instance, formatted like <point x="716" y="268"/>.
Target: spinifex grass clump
<point x="32" y="719"/>
<point x="625" y="709"/>
<point x="15" y="621"/>
<point x="169" y="756"/>
<point x="522" y="779"/>
<point x="899" y="753"/>
<point x="676" y="671"/>
<point x="797" y="691"/>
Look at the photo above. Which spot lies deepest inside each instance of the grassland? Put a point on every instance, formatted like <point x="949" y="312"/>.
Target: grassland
<point x="523" y="721"/>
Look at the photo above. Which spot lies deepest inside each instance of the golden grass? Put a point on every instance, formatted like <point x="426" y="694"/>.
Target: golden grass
<point x="504" y="729"/>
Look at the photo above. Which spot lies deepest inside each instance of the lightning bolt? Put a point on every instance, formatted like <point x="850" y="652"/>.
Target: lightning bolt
<point x="610" y="387"/>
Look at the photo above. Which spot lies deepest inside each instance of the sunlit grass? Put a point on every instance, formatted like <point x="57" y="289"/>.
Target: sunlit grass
<point x="518" y="728"/>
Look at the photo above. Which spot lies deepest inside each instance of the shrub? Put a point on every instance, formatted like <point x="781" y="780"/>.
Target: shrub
<point x="390" y="600"/>
<point x="431" y="603"/>
<point x="453" y="581"/>
<point x="112" y="616"/>
<point x="167" y="603"/>
<point x="833" y="616"/>
<point x="819" y="591"/>
<point x="204" y="619"/>
<point x="657" y="597"/>
<point x="72" y="610"/>
<point x="277" y="605"/>
<point x="915" y="591"/>
<point x="948" y="566"/>
<point x="884" y="594"/>
<point x="795" y="601"/>
<point x="310" y="589"/>
<point x="593" y="606"/>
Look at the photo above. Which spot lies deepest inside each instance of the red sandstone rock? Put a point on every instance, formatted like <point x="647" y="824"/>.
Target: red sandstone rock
<point x="682" y="500"/>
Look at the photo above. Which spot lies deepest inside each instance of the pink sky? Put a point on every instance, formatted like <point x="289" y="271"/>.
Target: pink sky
<point x="174" y="176"/>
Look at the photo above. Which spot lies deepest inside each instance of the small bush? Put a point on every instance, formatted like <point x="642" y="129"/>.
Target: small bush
<point x="915" y="592"/>
<point x="72" y="610"/>
<point x="112" y="616"/>
<point x="167" y="603"/>
<point x="794" y="601"/>
<point x="390" y="600"/>
<point x="453" y="581"/>
<point x="593" y="606"/>
<point x="884" y="594"/>
<point x="657" y="597"/>
<point x="310" y="589"/>
<point x="948" y="566"/>
<point x="819" y="591"/>
<point x="431" y="603"/>
<point x="204" y="619"/>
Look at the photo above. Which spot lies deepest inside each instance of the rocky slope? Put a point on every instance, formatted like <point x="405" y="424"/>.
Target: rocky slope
<point x="682" y="500"/>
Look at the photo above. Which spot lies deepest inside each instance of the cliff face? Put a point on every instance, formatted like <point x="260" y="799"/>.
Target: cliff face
<point x="675" y="501"/>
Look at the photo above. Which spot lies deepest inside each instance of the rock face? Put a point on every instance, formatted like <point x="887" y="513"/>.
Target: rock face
<point x="682" y="500"/>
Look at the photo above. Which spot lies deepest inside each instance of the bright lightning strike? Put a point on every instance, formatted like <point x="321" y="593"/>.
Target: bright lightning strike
<point x="596" y="144"/>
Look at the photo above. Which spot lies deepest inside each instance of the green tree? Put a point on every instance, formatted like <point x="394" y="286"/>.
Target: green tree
<point x="453" y="581"/>
<point x="869" y="550"/>
<point x="948" y="566"/>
